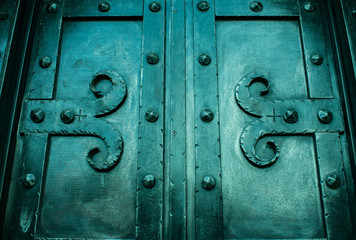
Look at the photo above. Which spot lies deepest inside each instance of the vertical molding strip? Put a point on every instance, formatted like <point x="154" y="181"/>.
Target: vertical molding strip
<point x="151" y="134"/>
<point x="175" y="134"/>
<point x="189" y="108"/>
<point x="24" y="215"/>
<point x="207" y="142"/>
<point x="336" y="202"/>
<point x="46" y="43"/>
<point x="318" y="76"/>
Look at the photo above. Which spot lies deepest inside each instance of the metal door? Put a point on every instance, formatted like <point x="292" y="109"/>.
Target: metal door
<point x="182" y="120"/>
<point x="92" y="115"/>
<point x="275" y="149"/>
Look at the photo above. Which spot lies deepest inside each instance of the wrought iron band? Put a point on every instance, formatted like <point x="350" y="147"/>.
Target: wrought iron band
<point x="272" y="121"/>
<point x="85" y="119"/>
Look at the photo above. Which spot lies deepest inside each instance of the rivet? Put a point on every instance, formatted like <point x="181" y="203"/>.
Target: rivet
<point x="151" y="115"/>
<point x="149" y="181"/>
<point x="67" y="116"/>
<point x="208" y="182"/>
<point x="203" y="6"/>
<point x="4" y="15"/>
<point x="52" y="8"/>
<point x="207" y="115"/>
<point x="104" y="7"/>
<point x="353" y="12"/>
<point x="152" y="58"/>
<point x="174" y="132"/>
<point x="256" y="6"/>
<point x="325" y="116"/>
<point x="333" y="181"/>
<point x="29" y="180"/>
<point x="37" y="115"/>
<point x="204" y="59"/>
<point x="317" y="59"/>
<point x="155" y="7"/>
<point x="45" y="62"/>
<point x="290" y="116"/>
<point x="309" y="7"/>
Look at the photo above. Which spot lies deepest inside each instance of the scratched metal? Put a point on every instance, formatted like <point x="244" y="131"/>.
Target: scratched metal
<point x="282" y="200"/>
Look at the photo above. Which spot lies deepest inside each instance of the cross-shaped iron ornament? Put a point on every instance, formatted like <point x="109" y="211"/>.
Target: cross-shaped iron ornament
<point x="274" y="115"/>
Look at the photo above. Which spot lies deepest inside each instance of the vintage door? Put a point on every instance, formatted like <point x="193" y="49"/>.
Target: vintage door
<point x="181" y="120"/>
<point x="91" y="124"/>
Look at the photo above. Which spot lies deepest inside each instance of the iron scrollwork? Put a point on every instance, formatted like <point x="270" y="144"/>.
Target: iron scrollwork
<point x="87" y="118"/>
<point x="275" y="118"/>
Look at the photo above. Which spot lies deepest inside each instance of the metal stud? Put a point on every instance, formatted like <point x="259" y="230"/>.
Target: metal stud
<point x="325" y="116"/>
<point x="4" y="15"/>
<point x="29" y="180"/>
<point x="317" y="59"/>
<point x="256" y="6"/>
<point x="309" y="7"/>
<point x="204" y="59"/>
<point x="149" y="181"/>
<point x="290" y="116"/>
<point x="203" y="6"/>
<point x="45" y="62"/>
<point x="52" y="8"/>
<point x="67" y="116"/>
<point x="37" y="115"/>
<point x="152" y="58"/>
<point x="151" y="115"/>
<point x="155" y="7"/>
<point x="333" y="181"/>
<point x="104" y="7"/>
<point x="208" y="182"/>
<point x="207" y="115"/>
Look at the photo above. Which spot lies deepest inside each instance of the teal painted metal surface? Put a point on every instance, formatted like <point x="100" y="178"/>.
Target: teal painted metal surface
<point x="181" y="120"/>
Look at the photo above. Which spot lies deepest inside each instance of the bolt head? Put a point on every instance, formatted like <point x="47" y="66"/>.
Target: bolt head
<point x="317" y="59"/>
<point x="256" y="6"/>
<point x="29" y="180"/>
<point x="149" y="181"/>
<point x="104" y="7"/>
<point x="204" y="59"/>
<point x="203" y="6"/>
<point x="325" y="116"/>
<point x="45" y="62"/>
<point x="67" y="116"/>
<point x="290" y="116"/>
<point x="333" y="181"/>
<point x="207" y="115"/>
<point x="353" y="12"/>
<point x="155" y="7"/>
<point x="152" y="58"/>
<point x="208" y="182"/>
<point x="309" y="7"/>
<point x="152" y="115"/>
<point x="37" y="115"/>
<point x="4" y="15"/>
<point x="52" y="8"/>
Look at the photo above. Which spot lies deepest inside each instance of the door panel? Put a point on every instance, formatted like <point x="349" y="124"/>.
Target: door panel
<point x="289" y="189"/>
<point x="273" y="168"/>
